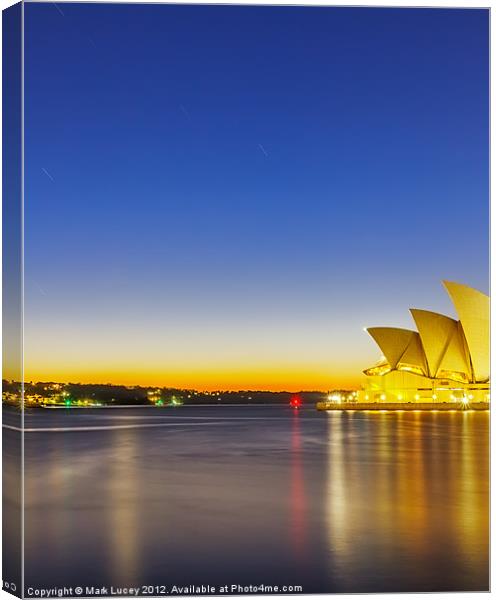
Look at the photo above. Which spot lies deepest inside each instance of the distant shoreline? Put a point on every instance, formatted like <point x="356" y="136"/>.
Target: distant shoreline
<point x="165" y="407"/>
<point x="72" y="395"/>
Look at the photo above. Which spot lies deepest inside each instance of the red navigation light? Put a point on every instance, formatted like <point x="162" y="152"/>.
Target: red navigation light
<point x="295" y="401"/>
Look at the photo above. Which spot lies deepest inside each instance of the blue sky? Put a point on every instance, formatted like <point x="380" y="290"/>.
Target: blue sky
<point x="216" y="189"/>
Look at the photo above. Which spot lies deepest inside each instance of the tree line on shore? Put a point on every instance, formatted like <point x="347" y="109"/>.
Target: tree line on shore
<point x="112" y="394"/>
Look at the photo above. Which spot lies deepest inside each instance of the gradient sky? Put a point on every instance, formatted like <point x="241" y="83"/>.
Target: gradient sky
<point x="223" y="197"/>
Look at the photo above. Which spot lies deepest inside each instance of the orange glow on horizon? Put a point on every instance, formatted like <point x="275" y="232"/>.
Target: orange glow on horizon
<point x="276" y="380"/>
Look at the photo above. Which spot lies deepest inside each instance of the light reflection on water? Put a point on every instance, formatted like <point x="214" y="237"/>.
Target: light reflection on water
<point x="330" y="501"/>
<point x="408" y="500"/>
<point x="123" y="524"/>
<point x="298" y="494"/>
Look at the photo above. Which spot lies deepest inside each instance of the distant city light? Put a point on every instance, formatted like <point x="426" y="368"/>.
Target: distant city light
<point x="295" y="401"/>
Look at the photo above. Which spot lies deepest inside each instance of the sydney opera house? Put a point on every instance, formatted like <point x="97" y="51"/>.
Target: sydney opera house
<point x="443" y="360"/>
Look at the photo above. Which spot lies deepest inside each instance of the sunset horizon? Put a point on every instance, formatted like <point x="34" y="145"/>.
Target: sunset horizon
<point x="285" y="382"/>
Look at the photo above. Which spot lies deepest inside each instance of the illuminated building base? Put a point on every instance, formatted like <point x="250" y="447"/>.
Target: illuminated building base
<point x="401" y="390"/>
<point x="402" y="406"/>
<point x="402" y="386"/>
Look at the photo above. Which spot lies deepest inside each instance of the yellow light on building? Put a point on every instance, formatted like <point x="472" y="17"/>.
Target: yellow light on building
<point x="442" y="354"/>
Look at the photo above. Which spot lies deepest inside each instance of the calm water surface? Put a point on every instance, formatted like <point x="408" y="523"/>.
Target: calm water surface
<point x="334" y="502"/>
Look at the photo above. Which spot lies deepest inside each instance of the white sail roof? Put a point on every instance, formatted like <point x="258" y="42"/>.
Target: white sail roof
<point x="442" y="347"/>
<point x="455" y="359"/>
<point x="414" y="356"/>
<point x="472" y="307"/>
<point x="393" y="342"/>
<point x="435" y="331"/>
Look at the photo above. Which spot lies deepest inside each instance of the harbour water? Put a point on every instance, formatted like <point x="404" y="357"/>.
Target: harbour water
<point x="250" y="495"/>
